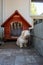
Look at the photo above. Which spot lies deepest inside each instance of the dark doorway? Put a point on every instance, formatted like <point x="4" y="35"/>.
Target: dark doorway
<point x="16" y="29"/>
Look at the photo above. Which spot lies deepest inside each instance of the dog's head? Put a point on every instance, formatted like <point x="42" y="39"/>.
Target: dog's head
<point x="25" y="34"/>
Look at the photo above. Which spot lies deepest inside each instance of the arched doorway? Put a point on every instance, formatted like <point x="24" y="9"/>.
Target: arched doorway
<point x="16" y="28"/>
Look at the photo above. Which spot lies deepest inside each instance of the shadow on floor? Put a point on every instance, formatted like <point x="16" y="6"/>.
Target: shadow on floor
<point x="11" y="45"/>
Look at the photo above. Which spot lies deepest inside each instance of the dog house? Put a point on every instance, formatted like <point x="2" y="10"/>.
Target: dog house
<point x="14" y="25"/>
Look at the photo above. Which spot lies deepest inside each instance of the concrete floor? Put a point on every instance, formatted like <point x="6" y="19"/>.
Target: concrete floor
<point x="10" y="54"/>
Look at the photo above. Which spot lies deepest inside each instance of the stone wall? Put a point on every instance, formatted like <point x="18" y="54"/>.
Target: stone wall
<point x="37" y="37"/>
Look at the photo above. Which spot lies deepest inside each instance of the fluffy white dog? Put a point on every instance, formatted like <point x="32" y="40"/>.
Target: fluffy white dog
<point x="23" y="39"/>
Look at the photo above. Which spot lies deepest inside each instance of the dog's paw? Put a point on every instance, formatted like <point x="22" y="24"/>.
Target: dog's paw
<point x="25" y="45"/>
<point x="21" y="45"/>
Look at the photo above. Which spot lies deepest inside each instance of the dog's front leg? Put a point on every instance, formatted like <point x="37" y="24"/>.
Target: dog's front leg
<point x="21" y="45"/>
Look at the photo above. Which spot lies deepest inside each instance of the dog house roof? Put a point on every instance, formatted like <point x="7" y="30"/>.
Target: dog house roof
<point x="15" y="13"/>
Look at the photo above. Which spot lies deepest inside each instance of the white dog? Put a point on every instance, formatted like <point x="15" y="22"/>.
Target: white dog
<point x="23" y="39"/>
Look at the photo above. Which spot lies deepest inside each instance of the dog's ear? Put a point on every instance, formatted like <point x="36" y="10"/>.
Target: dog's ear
<point x="22" y="33"/>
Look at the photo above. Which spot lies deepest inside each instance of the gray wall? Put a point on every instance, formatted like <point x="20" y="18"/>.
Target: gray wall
<point x="23" y="6"/>
<point x="1" y="17"/>
<point x="38" y="37"/>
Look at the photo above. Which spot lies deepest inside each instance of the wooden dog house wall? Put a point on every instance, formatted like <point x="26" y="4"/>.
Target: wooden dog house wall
<point x="14" y="25"/>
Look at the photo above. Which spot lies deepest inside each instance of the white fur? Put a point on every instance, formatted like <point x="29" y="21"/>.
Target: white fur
<point x="22" y="39"/>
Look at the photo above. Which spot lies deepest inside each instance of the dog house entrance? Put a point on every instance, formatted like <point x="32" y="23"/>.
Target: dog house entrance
<point x="16" y="28"/>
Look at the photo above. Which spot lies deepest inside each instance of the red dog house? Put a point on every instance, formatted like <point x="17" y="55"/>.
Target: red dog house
<point x="14" y="25"/>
